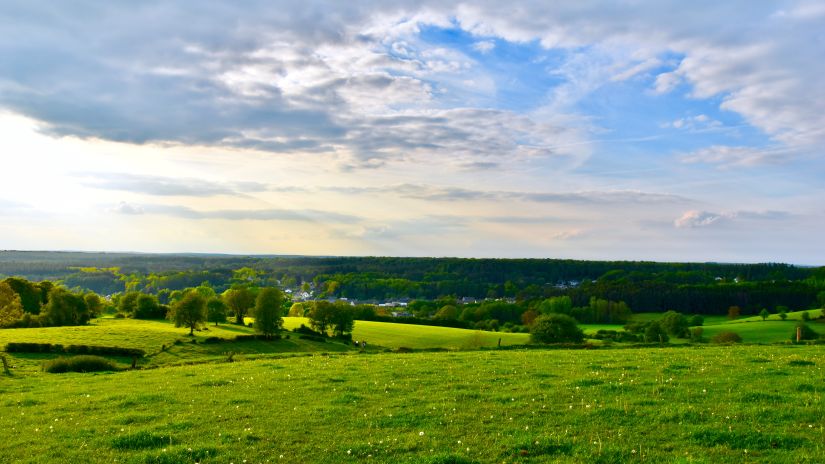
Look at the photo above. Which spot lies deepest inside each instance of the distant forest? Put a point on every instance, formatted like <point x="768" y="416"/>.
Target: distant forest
<point x="693" y="288"/>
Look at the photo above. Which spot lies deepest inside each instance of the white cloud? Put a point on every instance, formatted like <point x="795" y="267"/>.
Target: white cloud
<point x="484" y="46"/>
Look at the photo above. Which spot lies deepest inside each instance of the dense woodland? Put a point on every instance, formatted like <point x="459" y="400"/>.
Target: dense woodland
<point x="480" y="289"/>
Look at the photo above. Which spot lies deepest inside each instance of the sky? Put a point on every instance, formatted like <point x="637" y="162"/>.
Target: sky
<point x="638" y="130"/>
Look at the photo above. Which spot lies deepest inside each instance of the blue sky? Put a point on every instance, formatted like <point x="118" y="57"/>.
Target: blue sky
<point x="595" y="130"/>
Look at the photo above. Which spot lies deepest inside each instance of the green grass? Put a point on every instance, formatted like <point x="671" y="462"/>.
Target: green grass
<point x="391" y="335"/>
<point x="704" y="404"/>
<point x="128" y="333"/>
<point x="759" y="332"/>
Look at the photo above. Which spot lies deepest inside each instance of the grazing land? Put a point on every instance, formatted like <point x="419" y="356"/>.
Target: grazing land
<point x="684" y="404"/>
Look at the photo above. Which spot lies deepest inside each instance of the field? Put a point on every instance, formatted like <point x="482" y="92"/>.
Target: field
<point x="296" y="401"/>
<point x="391" y="335"/>
<point x="696" y="404"/>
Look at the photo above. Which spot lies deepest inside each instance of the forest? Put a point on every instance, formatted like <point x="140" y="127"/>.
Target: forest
<point x="692" y="288"/>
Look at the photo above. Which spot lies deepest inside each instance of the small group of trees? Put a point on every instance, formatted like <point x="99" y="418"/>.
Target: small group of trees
<point x="42" y="304"/>
<point x="195" y="307"/>
<point x="335" y="318"/>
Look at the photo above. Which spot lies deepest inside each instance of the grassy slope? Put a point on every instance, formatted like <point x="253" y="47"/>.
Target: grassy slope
<point x="705" y="404"/>
<point x="391" y="335"/>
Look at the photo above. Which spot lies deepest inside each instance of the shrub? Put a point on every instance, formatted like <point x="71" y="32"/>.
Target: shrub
<point x="805" y="332"/>
<point x="675" y="324"/>
<point x="656" y="334"/>
<point x="79" y="364"/>
<point x="697" y="320"/>
<point x="696" y="334"/>
<point x="806" y="316"/>
<point x="727" y="337"/>
<point x="555" y="328"/>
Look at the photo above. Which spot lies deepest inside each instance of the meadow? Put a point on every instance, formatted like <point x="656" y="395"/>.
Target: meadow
<point x="708" y="404"/>
<point x="295" y="400"/>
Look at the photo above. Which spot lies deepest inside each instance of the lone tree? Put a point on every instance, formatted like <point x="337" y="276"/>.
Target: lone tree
<point x="239" y="300"/>
<point x="733" y="312"/>
<point x="555" y="328"/>
<point x="216" y="310"/>
<point x="189" y="311"/>
<point x="764" y="313"/>
<point x="268" y="309"/>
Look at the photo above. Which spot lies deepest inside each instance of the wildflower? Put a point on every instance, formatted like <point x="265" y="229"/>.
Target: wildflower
<point x="420" y="434"/>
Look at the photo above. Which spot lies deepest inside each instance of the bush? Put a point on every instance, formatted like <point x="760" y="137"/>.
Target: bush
<point x="79" y="364"/>
<point x="655" y="333"/>
<point x="727" y="337"/>
<point x="805" y="332"/>
<point x="675" y="324"/>
<point x="696" y="334"/>
<point x="555" y="328"/>
<point x="697" y="320"/>
<point x="74" y="349"/>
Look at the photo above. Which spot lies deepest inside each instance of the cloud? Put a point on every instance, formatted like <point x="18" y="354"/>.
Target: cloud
<point x="697" y="219"/>
<point x="274" y="214"/>
<point x="484" y="46"/>
<point x="126" y="208"/>
<point x="358" y="80"/>
<point x="166" y="186"/>
<point x="732" y="156"/>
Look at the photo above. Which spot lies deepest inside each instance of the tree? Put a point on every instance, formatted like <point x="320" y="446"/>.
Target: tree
<point x="556" y="304"/>
<point x="764" y="313"/>
<point x="447" y="313"/>
<point x="127" y="304"/>
<point x="675" y="324"/>
<point x="555" y="328"/>
<point x="783" y="315"/>
<point x="697" y="320"/>
<point x="296" y="310"/>
<point x="29" y="293"/>
<point x="216" y="310"/>
<point x="343" y="320"/>
<point x="655" y="333"/>
<point x="239" y="300"/>
<point x="11" y="309"/>
<point x="528" y="317"/>
<point x="94" y="303"/>
<point x="320" y="316"/>
<point x="268" y="309"/>
<point x="64" y="308"/>
<point x="189" y="311"/>
<point x="733" y="312"/>
<point x="806" y="316"/>
<point x="147" y="307"/>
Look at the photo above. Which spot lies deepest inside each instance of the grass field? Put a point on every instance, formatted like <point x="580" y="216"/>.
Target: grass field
<point x="391" y="335"/>
<point x="698" y="404"/>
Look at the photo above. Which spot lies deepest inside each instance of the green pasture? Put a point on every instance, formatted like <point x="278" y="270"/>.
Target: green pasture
<point x="707" y="404"/>
<point x="389" y="335"/>
<point x="761" y="331"/>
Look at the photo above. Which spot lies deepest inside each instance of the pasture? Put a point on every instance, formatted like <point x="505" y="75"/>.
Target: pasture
<point x="706" y="404"/>
<point x="389" y="335"/>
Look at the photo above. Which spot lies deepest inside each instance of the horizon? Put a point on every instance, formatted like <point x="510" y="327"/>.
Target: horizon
<point x="657" y="132"/>
<point x="270" y="255"/>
